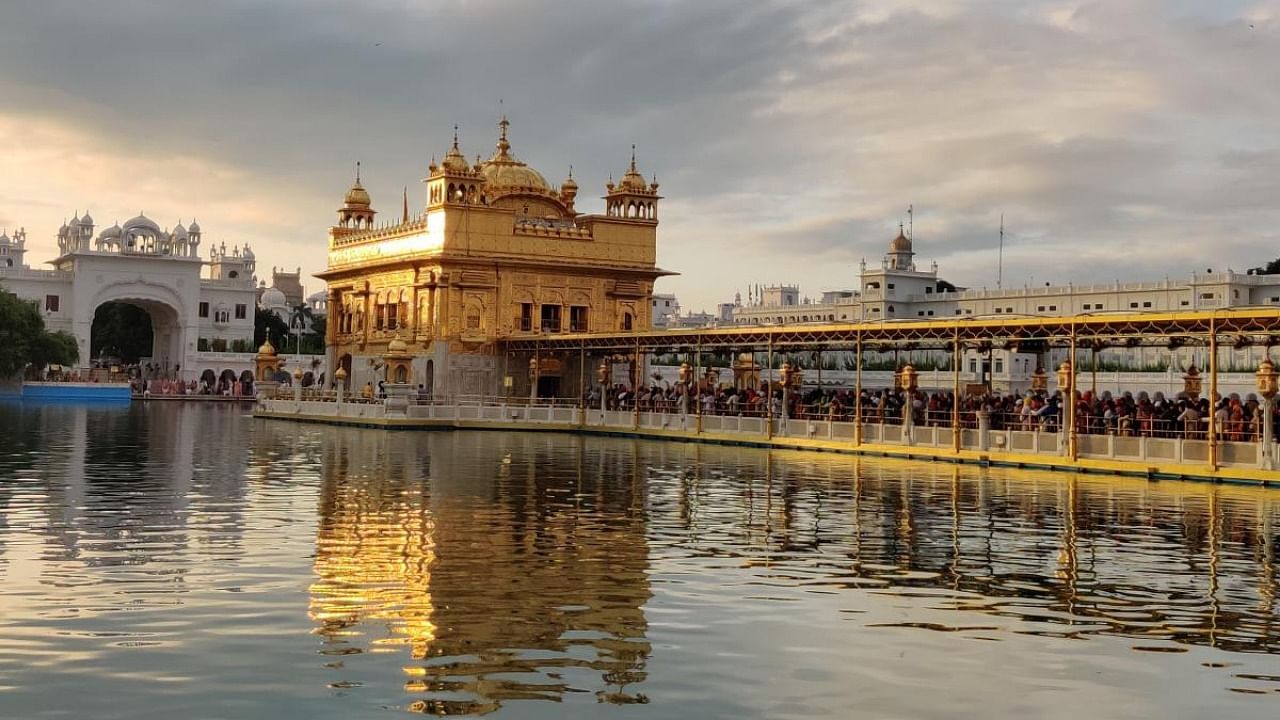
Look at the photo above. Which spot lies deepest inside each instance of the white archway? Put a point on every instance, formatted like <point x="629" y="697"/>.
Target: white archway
<point x="169" y="319"/>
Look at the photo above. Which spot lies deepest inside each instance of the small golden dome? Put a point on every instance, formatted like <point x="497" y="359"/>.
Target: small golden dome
<point x="633" y="181"/>
<point x="397" y="346"/>
<point x="900" y="244"/>
<point x="267" y="348"/>
<point x="357" y="195"/>
<point x="341" y="374"/>
<point x="297" y="373"/>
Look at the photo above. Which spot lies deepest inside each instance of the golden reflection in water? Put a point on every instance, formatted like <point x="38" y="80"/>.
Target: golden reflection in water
<point x="522" y="585"/>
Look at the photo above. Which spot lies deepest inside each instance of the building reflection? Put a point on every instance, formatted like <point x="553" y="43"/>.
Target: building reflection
<point x="120" y="484"/>
<point x="504" y="567"/>
<point x="1069" y="555"/>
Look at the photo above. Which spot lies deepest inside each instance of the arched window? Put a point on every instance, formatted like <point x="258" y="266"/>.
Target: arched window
<point x="626" y="321"/>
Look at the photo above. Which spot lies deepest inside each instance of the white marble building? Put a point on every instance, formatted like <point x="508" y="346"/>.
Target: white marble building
<point x="138" y="263"/>
<point x="898" y="290"/>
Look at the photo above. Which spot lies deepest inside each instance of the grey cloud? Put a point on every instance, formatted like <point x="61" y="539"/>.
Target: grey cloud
<point x="789" y="136"/>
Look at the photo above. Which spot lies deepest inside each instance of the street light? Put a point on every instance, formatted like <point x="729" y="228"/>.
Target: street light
<point x="1191" y="382"/>
<point x="686" y="372"/>
<point x="784" y="375"/>
<point x="1066" y="377"/>
<point x="1267" y="387"/>
<point x="1040" y="379"/>
<point x="908" y="379"/>
<point x="602" y="374"/>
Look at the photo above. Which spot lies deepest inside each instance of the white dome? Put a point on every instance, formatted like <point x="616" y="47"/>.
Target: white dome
<point x="4" y="239"/>
<point x="142" y="222"/>
<point x="273" y="298"/>
<point x="193" y="227"/>
<point x="179" y="232"/>
<point x="248" y="252"/>
<point x="86" y="220"/>
<point x="110" y="233"/>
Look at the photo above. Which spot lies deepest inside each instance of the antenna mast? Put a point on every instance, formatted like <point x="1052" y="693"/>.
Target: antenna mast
<point x="1000" y="262"/>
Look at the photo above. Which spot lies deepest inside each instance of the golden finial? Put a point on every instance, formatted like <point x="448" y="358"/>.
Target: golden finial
<point x="455" y="137"/>
<point x="357" y="172"/>
<point x="633" y="157"/>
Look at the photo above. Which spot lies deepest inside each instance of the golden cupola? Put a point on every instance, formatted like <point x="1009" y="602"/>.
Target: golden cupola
<point x="356" y="211"/>
<point x="505" y="174"/>
<point x="631" y="197"/>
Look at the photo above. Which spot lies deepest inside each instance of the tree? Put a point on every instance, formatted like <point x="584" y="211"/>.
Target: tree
<point x="267" y="323"/>
<point x="20" y="327"/>
<point x="1270" y="268"/>
<point x="24" y="341"/>
<point x="55" y="348"/>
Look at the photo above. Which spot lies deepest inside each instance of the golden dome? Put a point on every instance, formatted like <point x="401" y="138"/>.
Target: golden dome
<point x="512" y="175"/>
<point x="341" y="374"/>
<point x="397" y="346"/>
<point x="900" y="244"/>
<point x="633" y="180"/>
<point x="504" y="172"/>
<point x="357" y="195"/>
<point x="267" y="348"/>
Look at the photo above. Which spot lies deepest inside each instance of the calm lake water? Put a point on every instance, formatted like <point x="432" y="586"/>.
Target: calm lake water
<point x="166" y="561"/>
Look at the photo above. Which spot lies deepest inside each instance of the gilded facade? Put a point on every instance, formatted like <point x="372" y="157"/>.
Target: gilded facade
<point x="497" y="253"/>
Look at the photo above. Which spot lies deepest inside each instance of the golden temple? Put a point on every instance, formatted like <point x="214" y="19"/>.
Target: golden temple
<point x="497" y="253"/>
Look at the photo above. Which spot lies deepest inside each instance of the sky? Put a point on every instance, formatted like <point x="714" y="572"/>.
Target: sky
<point x="1119" y="139"/>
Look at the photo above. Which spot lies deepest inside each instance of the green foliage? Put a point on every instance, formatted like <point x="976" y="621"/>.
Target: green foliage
<point x="242" y="345"/>
<point x="218" y="345"/>
<point x="121" y="330"/>
<point x="202" y="345"/>
<point x="1270" y="268"/>
<point x="24" y="341"/>
<point x="267" y="323"/>
<point x="56" y="348"/>
<point x="20" y="327"/>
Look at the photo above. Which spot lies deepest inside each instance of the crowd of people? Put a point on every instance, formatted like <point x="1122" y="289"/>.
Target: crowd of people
<point x="1126" y="414"/>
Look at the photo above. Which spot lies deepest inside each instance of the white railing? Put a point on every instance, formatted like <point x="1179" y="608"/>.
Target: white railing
<point x="1142" y="452"/>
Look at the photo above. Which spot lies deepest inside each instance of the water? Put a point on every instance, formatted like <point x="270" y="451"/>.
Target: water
<point x="169" y="561"/>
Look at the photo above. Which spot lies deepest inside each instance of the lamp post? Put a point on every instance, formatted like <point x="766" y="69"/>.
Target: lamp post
<point x="533" y="380"/>
<point x="784" y="376"/>
<point x="686" y="372"/>
<point x="1039" y="379"/>
<point x="341" y="377"/>
<point x="907" y="382"/>
<point x="602" y="374"/>
<point x="1067" y="385"/>
<point x="1191" y="382"/>
<point x="1267" y="387"/>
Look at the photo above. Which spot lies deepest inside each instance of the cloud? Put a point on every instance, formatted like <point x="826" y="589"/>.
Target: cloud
<point x="1131" y="139"/>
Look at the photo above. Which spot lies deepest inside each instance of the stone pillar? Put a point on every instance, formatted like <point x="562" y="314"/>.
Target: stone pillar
<point x="908" y="421"/>
<point x="984" y="430"/>
<point x="1268" y="433"/>
<point x="397" y="401"/>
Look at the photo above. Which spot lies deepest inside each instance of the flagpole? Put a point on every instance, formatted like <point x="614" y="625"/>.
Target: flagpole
<point x="1000" y="265"/>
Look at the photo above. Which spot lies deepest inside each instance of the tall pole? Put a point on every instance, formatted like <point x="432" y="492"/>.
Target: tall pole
<point x="1000" y="261"/>
<point x="768" y="396"/>
<point x="1071" y="400"/>
<point x="635" y="390"/>
<point x="857" y="389"/>
<point x="955" y="393"/>
<point x="697" y="382"/>
<point x="1213" y="393"/>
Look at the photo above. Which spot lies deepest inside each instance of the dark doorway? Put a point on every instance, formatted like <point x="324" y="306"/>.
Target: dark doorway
<point x="121" y="331"/>
<point x="548" y="387"/>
